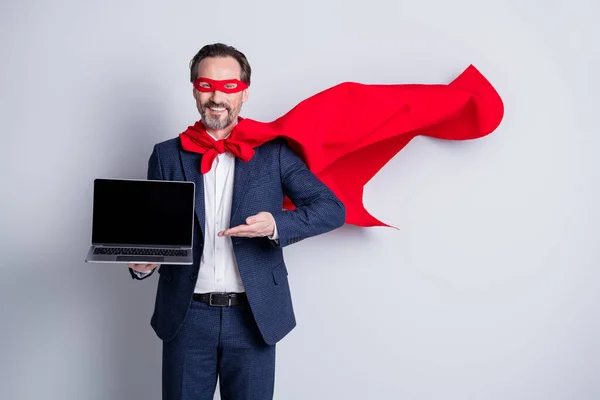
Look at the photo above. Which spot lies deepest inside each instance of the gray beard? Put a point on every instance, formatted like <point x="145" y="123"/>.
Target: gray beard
<point x="217" y="123"/>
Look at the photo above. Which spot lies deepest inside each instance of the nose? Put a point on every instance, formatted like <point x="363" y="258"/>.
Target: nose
<point x="217" y="96"/>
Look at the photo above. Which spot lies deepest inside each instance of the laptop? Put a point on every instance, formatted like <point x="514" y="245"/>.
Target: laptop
<point x="142" y="222"/>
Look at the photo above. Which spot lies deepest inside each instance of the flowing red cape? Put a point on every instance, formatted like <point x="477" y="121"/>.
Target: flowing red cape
<point x="347" y="133"/>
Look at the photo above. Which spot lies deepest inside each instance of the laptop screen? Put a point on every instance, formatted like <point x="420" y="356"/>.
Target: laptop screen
<point x="154" y="213"/>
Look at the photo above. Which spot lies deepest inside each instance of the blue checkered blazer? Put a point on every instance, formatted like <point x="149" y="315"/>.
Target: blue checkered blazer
<point x="259" y="185"/>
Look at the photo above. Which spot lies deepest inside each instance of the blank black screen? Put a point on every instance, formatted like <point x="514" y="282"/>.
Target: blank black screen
<point x="143" y="212"/>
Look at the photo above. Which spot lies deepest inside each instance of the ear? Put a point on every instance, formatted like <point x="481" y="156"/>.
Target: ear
<point x="245" y="94"/>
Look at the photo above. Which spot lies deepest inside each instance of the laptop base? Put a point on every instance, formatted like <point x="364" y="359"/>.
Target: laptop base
<point x="91" y="257"/>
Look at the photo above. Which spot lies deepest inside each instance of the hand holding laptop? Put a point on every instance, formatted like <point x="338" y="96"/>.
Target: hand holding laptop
<point x="143" y="268"/>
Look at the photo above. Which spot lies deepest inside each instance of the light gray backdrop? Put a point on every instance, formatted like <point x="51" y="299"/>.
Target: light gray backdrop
<point x="489" y="290"/>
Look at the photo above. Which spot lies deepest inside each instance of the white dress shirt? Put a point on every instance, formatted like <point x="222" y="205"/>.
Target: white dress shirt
<point x="218" y="266"/>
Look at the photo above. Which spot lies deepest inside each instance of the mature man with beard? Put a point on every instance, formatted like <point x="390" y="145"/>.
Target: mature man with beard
<point x="222" y="316"/>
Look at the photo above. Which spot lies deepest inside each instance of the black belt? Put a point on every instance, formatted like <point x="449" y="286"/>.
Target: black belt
<point x="222" y="299"/>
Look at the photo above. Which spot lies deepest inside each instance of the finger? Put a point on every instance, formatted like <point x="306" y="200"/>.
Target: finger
<point x="243" y="230"/>
<point x="227" y="232"/>
<point x="254" y="230"/>
<point x="142" y="267"/>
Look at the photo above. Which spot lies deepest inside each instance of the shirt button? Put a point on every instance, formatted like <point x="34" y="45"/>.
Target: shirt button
<point x="219" y="280"/>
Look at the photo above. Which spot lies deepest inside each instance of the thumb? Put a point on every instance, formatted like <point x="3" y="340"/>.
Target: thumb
<point x="251" y="219"/>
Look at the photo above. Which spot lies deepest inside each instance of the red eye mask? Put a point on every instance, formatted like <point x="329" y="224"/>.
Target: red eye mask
<point x="225" y="86"/>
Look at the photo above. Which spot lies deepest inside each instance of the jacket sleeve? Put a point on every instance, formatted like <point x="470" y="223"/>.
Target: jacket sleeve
<point x="318" y="210"/>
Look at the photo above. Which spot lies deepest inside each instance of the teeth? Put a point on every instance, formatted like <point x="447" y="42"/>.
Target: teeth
<point x="217" y="109"/>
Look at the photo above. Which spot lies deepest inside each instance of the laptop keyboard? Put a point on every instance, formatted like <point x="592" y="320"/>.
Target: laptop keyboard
<point x="110" y="251"/>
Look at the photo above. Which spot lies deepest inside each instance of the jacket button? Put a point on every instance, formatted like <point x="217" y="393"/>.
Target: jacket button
<point x="193" y="277"/>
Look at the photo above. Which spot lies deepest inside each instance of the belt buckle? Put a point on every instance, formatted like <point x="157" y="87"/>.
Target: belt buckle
<point x="210" y="301"/>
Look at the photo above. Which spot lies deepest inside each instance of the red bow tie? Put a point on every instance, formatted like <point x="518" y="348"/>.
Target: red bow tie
<point x="197" y="140"/>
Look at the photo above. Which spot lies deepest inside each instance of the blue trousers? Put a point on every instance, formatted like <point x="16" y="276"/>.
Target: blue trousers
<point x="221" y="342"/>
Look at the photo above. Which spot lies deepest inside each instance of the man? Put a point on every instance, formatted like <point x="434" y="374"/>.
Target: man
<point x="223" y="315"/>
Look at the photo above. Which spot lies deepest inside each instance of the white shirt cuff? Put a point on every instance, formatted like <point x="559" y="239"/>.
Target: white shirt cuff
<point x="275" y="236"/>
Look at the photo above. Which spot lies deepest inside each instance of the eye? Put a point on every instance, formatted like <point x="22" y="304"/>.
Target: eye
<point x="230" y="85"/>
<point x="204" y="85"/>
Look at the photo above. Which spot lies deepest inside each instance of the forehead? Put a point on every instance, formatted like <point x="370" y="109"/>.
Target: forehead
<point x="219" y="68"/>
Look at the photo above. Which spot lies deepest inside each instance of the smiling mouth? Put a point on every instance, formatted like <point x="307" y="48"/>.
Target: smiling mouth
<point x="217" y="109"/>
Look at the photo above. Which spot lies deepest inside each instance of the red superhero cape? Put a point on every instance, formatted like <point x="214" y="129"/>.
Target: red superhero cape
<point x="347" y="133"/>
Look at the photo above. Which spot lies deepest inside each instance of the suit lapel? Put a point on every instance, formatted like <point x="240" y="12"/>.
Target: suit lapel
<point x="191" y="168"/>
<point x="243" y="173"/>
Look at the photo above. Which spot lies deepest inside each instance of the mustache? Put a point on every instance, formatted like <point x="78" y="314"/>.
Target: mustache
<point x="215" y="105"/>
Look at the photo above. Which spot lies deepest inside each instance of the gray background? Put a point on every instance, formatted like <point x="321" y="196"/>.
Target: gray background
<point x="489" y="290"/>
